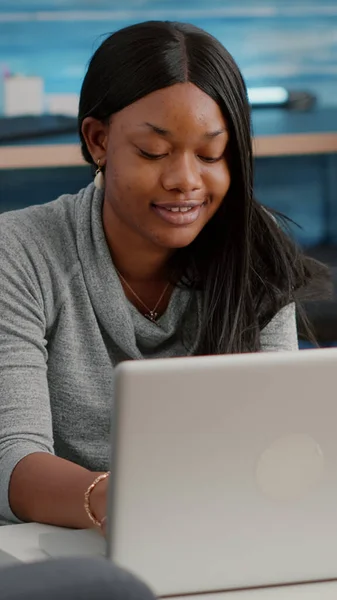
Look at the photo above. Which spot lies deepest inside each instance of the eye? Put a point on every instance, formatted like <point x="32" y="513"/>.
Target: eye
<point x="150" y="156"/>
<point x="210" y="159"/>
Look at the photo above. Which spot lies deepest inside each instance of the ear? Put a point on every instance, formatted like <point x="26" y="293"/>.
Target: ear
<point x="95" y="134"/>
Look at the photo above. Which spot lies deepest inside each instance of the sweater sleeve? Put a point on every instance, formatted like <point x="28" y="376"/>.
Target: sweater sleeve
<point x="281" y="333"/>
<point x="25" y="415"/>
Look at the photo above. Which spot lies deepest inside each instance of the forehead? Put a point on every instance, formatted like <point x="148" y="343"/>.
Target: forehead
<point x="180" y="107"/>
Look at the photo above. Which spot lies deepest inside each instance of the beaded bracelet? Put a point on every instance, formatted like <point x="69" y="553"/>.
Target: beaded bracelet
<point x="87" y="499"/>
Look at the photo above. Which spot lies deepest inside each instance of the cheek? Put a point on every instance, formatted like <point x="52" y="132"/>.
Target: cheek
<point x="129" y="178"/>
<point x="118" y="189"/>
<point x="218" y="181"/>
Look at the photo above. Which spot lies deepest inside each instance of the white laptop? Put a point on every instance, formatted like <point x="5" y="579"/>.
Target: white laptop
<point x="224" y="471"/>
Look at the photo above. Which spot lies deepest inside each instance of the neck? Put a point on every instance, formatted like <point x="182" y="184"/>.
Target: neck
<point x="135" y="259"/>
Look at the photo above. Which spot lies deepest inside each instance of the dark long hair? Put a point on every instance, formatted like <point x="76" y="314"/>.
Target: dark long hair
<point x="244" y="262"/>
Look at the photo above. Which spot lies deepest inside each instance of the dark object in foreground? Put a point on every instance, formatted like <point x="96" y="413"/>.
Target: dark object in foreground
<point x="71" y="579"/>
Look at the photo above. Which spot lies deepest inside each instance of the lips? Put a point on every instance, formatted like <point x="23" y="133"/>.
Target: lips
<point x="183" y="213"/>
<point x="185" y="204"/>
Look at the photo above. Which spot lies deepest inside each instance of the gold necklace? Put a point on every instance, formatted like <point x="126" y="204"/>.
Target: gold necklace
<point x="151" y="315"/>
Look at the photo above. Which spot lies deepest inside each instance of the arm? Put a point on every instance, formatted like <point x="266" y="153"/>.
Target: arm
<point x="48" y="489"/>
<point x="281" y="333"/>
<point x="35" y="485"/>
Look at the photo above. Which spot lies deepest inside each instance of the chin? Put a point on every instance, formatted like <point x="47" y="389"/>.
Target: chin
<point x="177" y="240"/>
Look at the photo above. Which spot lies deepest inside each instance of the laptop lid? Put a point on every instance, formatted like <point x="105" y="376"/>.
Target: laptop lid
<point x="224" y="471"/>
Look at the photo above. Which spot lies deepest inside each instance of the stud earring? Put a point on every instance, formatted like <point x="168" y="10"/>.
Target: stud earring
<point x="99" y="177"/>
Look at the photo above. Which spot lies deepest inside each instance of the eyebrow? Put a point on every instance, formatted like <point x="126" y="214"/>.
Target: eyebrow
<point x="213" y="134"/>
<point x="166" y="133"/>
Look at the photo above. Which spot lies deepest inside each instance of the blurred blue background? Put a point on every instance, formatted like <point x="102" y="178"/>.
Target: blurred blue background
<point x="274" y="41"/>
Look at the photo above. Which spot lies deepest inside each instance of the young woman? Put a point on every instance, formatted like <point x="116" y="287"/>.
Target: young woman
<point x="166" y="254"/>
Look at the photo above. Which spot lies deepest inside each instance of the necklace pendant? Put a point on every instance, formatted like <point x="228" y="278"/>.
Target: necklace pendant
<point x="152" y="316"/>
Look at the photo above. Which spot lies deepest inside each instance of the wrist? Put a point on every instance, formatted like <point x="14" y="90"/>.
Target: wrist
<point x="95" y="499"/>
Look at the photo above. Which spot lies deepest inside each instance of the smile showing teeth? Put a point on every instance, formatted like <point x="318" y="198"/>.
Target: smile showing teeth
<point x="182" y="209"/>
<point x="179" y="215"/>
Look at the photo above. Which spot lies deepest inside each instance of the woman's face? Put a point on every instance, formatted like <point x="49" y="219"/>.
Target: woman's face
<point x="166" y="172"/>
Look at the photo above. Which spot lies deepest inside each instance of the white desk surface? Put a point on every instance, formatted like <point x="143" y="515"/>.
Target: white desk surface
<point x="22" y="541"/>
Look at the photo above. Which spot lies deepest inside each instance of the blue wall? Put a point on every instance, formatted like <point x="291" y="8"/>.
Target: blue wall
<point x="274" y="41"/>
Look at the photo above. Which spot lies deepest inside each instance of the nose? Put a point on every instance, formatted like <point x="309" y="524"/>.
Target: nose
<point x="182" y="174"/>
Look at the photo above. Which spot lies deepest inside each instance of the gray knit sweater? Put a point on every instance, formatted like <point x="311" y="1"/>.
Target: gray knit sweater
<point x="64" y="325"/>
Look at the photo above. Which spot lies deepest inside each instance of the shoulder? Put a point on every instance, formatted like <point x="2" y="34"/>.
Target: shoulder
<point x="281" y="331"/>
<point x="38" y="250"/>
<point x="43" y="232"/>
<point x="39" y="221"/>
